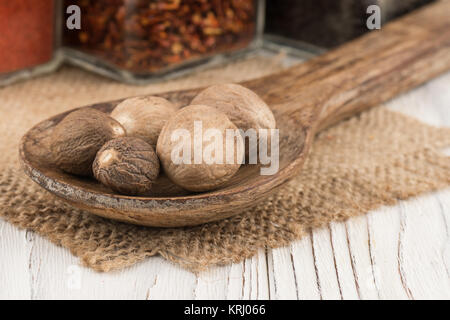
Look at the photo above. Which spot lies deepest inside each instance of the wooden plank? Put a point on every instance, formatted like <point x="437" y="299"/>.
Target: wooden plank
<point x="361" y="258"/>
<point x="14" y="263"/>
<point x="423" y="236"/>
<point x="383" y="228"/>
<point x="343" y="262"/>
<point x="325" y="262"/>
<point x="284" y="283"/>
<point x="303" y="262"/>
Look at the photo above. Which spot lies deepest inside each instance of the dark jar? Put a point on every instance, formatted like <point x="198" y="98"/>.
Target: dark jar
<point x="138" y="40"/>
<point x="28" y="38"/>
<point x="322" y="24"/>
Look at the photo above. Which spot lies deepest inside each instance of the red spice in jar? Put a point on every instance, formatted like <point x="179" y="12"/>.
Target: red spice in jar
<point x="145" y="36"/>
<point x="26" y="33"/>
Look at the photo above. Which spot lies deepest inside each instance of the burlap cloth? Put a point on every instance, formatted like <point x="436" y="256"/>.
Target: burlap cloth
<point x="363" y="163"/>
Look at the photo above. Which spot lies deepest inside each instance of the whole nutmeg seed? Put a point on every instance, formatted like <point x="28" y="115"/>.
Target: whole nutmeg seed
<point x="242" y="106"/>
<point x="127" y="165"/>
<point x="192" y="159"/>
<point x="76" y="140"/>
<point x="144" y="117"/>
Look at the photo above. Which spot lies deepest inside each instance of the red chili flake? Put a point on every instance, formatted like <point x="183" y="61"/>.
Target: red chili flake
<point x="144" y="36"/>
<point x="26" y="33"/>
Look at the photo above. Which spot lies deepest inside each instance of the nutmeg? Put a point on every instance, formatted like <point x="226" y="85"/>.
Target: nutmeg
<point x="242" y="106"/>
<point x="127" y="165"/>
<point x="192" y="159"/>
<point x="144" y="117"/>
<point x="76" y="140"/>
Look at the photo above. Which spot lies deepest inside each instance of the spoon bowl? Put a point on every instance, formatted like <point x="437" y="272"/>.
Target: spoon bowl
<point x="168" y="205"/>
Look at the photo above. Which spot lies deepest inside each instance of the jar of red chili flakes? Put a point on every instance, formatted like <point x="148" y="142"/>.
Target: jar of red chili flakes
<point x="140" y="40"/>
<point x="28" y="38"/>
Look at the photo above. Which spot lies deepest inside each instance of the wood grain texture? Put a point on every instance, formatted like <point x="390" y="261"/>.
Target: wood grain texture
<point x="313" y="95"/>
<point x="400" y="252"/>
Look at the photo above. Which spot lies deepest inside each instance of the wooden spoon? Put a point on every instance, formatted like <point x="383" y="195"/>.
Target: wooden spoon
<point x="304" y="99"/>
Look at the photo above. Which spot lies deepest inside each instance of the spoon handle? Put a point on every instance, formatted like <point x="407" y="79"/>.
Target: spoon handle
<point x="365" y="72"/>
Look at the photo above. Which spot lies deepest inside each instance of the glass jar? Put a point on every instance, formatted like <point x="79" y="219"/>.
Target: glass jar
<point x="28" y="38"/>
<point x="315" y="25"/>
<point x="140" y="40"/>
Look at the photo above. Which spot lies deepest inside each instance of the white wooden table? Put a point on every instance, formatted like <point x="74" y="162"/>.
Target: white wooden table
<point x="400" y="252"/>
